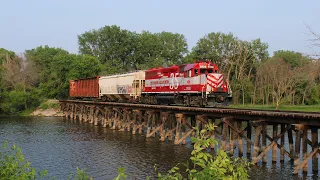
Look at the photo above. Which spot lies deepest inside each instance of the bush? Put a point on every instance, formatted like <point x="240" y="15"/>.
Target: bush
<point x="14" y="102"/>
<point x="207" y="166"/>
<point x="34" y="98"/>
<point x="44" y="106"/>
<point x="18" y="100"/>
<point x="14" y="166"/>
<point x="48" y="104"/>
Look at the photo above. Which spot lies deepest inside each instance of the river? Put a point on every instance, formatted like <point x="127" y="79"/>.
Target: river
<point x="60" y="146"/>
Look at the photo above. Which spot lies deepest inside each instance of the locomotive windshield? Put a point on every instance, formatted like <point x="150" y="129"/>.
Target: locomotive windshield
<point x="208" y="71"/>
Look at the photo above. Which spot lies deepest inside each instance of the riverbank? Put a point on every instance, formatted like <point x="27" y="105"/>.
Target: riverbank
<point x="49" y="108"/>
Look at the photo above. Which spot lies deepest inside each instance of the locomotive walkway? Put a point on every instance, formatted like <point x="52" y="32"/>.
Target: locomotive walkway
<point x="237" y="128"/>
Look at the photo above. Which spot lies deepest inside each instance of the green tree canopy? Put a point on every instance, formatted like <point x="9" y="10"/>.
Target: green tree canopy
<point x="43" y="60"/>
<point x="173" y="47"/>
<point x="111" y="45"/>
<point x="224" y="48"/>
<point x="56" y="67"/>
<point x="293" y="58"/>
<point x="4" y="56"/>
<point x="4" y="53"/>
<point x="121" y="50"/>
<point x="215" y="46"/>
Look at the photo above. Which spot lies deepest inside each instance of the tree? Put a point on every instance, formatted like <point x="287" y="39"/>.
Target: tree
<point x="148" y="50"/>
<point x="17" y="80"/>
<point x="122" y="50"/>
<point x="218" y="47"/>
<point x="18" y="73"/>
<point x="4" y="54"/>
<point x="56" y="67"/>
<point x="11" y="72"/>
<point x="66" y="67"/>
<point x="111" y="45"/>
<point x="236" y="58"/>
<point x="315" y="41"/>
<point x="293" y="58"/>
<point x="42" y="59"/>
<point x="242" y="68"/>
<point x="305" y="82"/>
<point x="276" y="78"/>
<point x="173" y="47"/>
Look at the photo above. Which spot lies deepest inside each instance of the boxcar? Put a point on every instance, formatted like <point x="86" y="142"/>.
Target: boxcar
<point x="85" y="88"/>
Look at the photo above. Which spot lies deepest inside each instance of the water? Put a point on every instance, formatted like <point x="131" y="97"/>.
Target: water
<point x="60" y="146"/>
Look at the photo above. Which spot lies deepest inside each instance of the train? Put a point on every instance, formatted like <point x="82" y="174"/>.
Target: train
<point x="196" y="84"/>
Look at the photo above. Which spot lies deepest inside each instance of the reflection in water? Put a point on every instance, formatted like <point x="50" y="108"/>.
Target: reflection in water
<point x="60" y="146"/>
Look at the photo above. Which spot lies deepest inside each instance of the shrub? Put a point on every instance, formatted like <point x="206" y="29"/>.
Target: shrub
<point x="207" y="166"/>
<point x="14" y="166"/>
<point x="47" y="105"/>
<point x="44" y="106"/>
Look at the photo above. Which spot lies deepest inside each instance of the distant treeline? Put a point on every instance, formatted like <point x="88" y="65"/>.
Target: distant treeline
<point x="286" y="77"/>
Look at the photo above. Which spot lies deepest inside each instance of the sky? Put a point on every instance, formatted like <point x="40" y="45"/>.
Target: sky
<point x="27" y="24"/>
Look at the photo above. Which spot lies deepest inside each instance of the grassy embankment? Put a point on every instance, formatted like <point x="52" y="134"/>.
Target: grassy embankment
<point x="307" y="108"/>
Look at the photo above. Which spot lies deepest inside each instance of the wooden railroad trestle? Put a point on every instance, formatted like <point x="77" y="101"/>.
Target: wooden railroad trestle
<point x="235" y="133"/>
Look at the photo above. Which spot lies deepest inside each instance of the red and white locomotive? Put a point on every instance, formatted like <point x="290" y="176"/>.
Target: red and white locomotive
<point x="197" y="84"/>
<point x="200" y="83"/>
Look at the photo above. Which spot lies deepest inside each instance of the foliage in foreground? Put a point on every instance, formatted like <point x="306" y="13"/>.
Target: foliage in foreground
<point x="207" y="166"/>
<point x="14" y="166"/>
<point x="204" y="165"/>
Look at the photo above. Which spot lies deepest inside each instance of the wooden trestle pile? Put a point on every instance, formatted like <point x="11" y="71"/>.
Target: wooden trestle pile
<point x="249" y="133"/>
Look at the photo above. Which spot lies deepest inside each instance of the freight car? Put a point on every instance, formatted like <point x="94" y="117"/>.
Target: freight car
<point x="122" y="87"/>
<point x="84" y="88"/>
<point x="197" y="84"/>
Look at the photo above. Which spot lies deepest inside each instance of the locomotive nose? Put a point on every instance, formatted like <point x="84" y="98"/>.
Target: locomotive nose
<point x="215" y="82"/>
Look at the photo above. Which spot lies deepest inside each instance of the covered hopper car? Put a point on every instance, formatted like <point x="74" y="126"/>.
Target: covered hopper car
<point x="197" y="84"/>
<point x="122" y="87"/>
